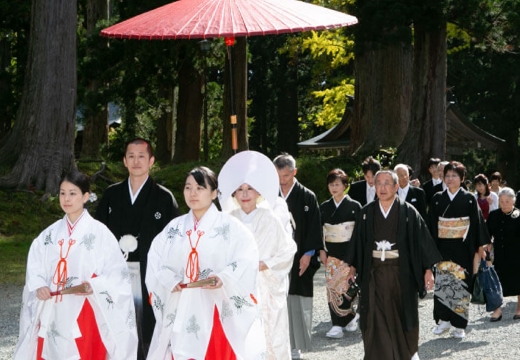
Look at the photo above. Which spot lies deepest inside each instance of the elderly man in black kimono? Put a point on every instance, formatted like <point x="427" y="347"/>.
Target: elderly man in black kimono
<point x="136" y="210"/>
<point x="393" y="253"/>
<point x="305" y="213"/>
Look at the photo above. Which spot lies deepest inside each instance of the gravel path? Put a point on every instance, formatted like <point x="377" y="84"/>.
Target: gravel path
<point x="484" y="340"/>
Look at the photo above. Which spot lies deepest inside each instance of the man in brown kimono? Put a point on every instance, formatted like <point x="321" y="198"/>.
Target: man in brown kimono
<point x="393" y="253"/>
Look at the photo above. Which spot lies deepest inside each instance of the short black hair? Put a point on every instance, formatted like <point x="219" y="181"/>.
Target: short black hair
<point x="337" y="174"/>
<point x="433" y="161"/>
<point x="370" y="164"/>
<point x="139" y="141"/>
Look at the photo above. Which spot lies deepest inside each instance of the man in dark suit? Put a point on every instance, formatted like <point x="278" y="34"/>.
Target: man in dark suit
<point x="415" y="196"/>
<point x="364" y="191"/>
<point x="440" y="170"/>
<point x="435" y="180"/>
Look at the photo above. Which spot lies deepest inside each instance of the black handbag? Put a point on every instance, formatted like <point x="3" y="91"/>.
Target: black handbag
<point x="477" y="297"/>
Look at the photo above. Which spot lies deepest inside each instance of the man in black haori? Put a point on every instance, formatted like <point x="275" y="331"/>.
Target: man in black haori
<point x="305" y="213"/>
<point x="135" y="211"/>
<point x="393" y="253"/>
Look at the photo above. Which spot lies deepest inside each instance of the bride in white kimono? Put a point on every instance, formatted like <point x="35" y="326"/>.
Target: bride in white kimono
<point x="252" y="176"/>
<point x="96" y="324"/>
<point x="220" y="321"/>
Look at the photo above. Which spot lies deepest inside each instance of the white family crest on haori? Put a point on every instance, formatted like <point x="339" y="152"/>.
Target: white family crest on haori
<point x="384" y="245"/>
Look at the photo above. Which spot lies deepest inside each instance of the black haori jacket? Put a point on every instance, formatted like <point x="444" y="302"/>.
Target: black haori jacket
<point x="417" y="252"/>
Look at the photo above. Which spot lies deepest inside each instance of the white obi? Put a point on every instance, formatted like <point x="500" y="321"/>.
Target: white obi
<point x="338" y="233"/>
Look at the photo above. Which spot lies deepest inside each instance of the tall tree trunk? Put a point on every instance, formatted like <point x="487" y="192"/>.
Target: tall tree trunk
<point x="239" y="56"/>
<point x="5" y="87"/>
<point x="383" y="75"/>
<point x="187" y="137"/>
<point x="95" y="129"/>
<point x="41" y="142"/>
<point x="163" y="148"/>
<point x="426" y="135"/>
<point x="383" y="98"/>
<point x="287" y="114"/>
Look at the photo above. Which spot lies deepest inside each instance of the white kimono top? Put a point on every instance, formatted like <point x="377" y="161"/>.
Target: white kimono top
<point x="185" y="318"/>
<point x="276" y="248"/>
<point x="92" y="249"/>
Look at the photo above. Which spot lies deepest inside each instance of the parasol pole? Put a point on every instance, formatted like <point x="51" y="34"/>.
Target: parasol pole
<point x="230" y="41"/>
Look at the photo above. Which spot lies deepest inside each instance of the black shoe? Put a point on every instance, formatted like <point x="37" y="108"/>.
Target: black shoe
<point x="516" y="317"/>
<point x="495" y="319"/>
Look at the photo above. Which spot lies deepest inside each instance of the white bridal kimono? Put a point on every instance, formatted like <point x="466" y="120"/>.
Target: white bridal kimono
<point x="185" y="318"/>
<point x="92" y="250"/>
<point x="276" y="248"/>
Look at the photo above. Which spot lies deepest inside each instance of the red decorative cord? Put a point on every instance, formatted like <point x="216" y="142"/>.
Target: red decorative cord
<point x="60" y="274"/>
<point x="193" y="268"/>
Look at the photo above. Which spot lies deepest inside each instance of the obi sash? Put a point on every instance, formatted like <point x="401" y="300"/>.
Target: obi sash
<point x="338" y="233"/>
<point x="453" y="228"/>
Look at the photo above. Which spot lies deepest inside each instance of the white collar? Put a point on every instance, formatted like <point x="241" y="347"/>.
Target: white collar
<point x="289" y="193"/>
<point x="338" y="203"/>
<point x="247" y="218"/>
<point x="385" y="213"/>
<point x="133" y="197"/>
<point x="403" y="192"/>
<point x="452" y="196"/>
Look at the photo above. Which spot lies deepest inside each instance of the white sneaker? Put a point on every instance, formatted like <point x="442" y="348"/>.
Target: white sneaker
<point x="442" y="327"/>
<point x="415" y="356"/>
<point x="336" y="332"/>
<point x="353" y="324"/>
<point x="296" y="354"/>
<point x="459" y="333"/>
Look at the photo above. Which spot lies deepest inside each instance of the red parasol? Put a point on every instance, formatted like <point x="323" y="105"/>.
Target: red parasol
<point x="191" y="19"/>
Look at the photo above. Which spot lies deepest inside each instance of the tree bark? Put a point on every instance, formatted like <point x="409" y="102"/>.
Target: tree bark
<point x="383" y="98"/>
<point x="239" y="56"/>
<point x="163" y="127"/>
<point x="40" y="144"/>
<point x="95" y="129"/>
<point x="426" y="135"/>
<point x="187" y="137"/>
<point x="287" y="114"/>
<point x="5" y="87"/>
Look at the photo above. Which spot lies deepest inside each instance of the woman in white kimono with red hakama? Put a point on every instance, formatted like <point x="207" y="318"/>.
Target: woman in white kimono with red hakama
<point x="246" y="180"/>
<point x="96" y="324"/>
<point x="219" y="321"/>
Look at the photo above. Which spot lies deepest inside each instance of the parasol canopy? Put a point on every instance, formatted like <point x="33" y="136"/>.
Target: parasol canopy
<point x="191" y="19"/>
<point x="252" y="168"/>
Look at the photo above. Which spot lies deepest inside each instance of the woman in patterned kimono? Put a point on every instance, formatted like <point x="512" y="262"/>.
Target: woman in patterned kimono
<point x="98" y="321"/>
<point x="504" y="226"/>
<point x="458" y="228"/>
<point x="338" y="215"/>
<point x="197" y="320"/>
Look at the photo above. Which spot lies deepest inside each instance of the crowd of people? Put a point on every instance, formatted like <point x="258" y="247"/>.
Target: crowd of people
<point x="233" y="278"/>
